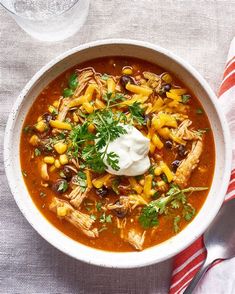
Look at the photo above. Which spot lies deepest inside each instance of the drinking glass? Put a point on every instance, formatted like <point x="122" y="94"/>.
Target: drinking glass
<point x="48" y="20"/>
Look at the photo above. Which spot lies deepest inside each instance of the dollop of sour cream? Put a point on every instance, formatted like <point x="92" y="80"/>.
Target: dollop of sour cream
<point x="132" y="149"/>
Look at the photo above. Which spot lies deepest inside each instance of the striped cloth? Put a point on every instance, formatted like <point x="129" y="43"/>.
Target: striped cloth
<point x="221" y="277"/>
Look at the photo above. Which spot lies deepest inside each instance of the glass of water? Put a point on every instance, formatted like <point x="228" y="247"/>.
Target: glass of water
<point x="48" y="20"/>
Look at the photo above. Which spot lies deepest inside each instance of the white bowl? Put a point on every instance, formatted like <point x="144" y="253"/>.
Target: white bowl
<point x="194" y="82"/>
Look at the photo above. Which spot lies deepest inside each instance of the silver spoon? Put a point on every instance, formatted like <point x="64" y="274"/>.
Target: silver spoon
<point x="219" y="240"/>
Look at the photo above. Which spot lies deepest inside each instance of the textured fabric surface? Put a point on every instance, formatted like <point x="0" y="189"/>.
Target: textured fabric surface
<point x="199" y="31"/>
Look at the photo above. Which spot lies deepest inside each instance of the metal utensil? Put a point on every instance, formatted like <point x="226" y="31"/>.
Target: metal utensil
<point x="219" y="240"/>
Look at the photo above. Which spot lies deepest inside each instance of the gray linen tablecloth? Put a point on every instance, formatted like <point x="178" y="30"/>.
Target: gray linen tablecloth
<point x="199" y="31"/>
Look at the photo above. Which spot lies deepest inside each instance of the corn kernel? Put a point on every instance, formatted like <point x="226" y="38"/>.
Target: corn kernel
<point x="157" y="123"/>
<point x="88" y="107"/>
<point x="41" y="126"/>
<point x="60" y="147"/>
<point x="61" y="211"/>
<point x="52" y="168"/>
<point x="39" y="118"/>
<point x="56" y="103"/>
<point x="161" y="183"/>
<point x="91" y="128"/>
<point x="49" y="159"/>
<point x="63" y="159"/>
<point x="167" y="78"/>
<point x="57" y="163"/>
<point x="141" y="182"/>
<point x="52" y="109"/>
<point x="164" y="133"/>
<point x="34" y="140"/>
<point x="157" y="171"/>
<point x="152" y="148"/>
<point x="127" y="71"/>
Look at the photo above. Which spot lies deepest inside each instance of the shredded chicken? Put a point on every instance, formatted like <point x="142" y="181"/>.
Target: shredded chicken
<point x="184" y="133"/>
<point x="77" y="196"/>
<point x="186" y="167"/>
<point x="153" y="80"/>
<point x="136" y="200"/>
<point x="122" y="204"/>
<point x="63" y="110"/>
<point x="136" y="239"/>
<point x="84" y="76"/>
<point x="121" y="224"/>
<point x="80" y="220"/>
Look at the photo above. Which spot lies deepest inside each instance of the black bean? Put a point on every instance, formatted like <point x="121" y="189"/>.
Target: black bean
<point x="60" y="186"/>
<point x="102" y="192"/>
<point x="146" y="118"/>
<point x="47" y="117"/>
<point x="119" y="212"/>
<point x="68" y="173"/>
<point x="175" y="164"/>
<point x="167" y="87"/>
<point x="182" y="150"/>
<point x="124" y="80"/>
<point x="169" y="144"/>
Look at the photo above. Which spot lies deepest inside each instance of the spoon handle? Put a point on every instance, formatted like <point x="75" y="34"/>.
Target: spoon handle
<point x="192" y="285"/>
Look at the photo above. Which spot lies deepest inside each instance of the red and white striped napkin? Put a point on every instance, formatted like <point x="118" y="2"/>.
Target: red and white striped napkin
<point x="220" y="278"/>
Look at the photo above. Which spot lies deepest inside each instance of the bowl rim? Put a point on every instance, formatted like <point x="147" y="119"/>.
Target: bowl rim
<point x="109" y="262"/>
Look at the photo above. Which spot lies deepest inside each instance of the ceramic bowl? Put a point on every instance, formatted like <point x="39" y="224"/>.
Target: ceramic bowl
<point x="190" y="77"/>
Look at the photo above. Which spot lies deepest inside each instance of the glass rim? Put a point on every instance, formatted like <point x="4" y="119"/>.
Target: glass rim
<point x="25" y="17"/>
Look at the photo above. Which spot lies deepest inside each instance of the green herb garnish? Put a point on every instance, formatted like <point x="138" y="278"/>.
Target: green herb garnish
<point x="63" y="186"/>
<point x="150" y="213"/>
<point x="73" y="81"/>
<point x="105" y="218"/>
<point x="24" y="173"/>
<point x="93" y="217"/>
<point x="67" y="92"/>
<point x="176" y="223"/>
<point x="98" y="206"/>
<point x="104" y="77"/>
<point x="199" y="111"/>
<point x="37" y="152"/>
<point x="185" y="98"/>
<point x="136" y="113"/>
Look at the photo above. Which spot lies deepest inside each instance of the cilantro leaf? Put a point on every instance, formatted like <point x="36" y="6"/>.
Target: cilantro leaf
<point x="185" y="98"/>
<point x="176" y="197"/>
<point x="176" y="223"/>
<point x="73" y="81"/>
<point x="136" y="113"/>
<point x="199" y="111"/>
<point x="148" y="217"/>
<point x="63" y="186"/>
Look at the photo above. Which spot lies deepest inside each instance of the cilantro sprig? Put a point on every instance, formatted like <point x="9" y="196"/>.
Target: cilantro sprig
<point x="137" y="113"/>
<point x="176" y="197"/>
<point x="93" y="148"/>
